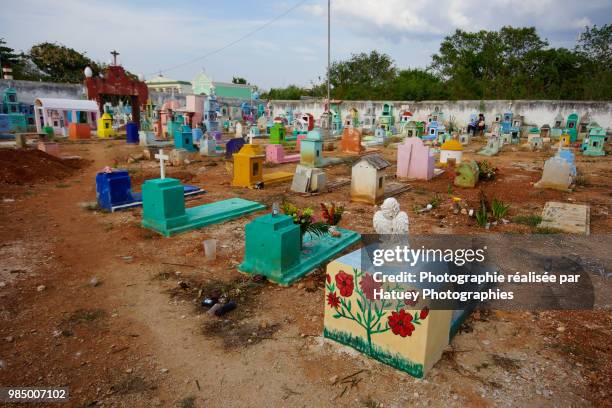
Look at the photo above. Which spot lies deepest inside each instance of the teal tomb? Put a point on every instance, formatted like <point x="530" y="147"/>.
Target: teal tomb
<point x="163" y="205"/>
<point x="274" y="248"/>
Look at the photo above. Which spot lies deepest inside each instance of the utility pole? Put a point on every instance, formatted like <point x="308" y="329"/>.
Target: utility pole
<point x="328" y="57"/>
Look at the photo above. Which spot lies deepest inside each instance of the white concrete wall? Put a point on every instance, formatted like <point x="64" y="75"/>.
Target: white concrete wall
<point x="535" y="113"/>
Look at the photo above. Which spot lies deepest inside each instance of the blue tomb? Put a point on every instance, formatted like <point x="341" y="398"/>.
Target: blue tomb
<point x="131" y="129"/>
<point x="114" y="191"/>
<point x="233" y="146"/>
<point x="183" y="139"/>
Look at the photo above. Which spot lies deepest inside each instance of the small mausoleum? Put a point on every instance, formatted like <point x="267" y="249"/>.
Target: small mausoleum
<point x="368" y="179"/>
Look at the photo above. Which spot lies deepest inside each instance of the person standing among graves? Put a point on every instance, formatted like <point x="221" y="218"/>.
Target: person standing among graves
<point x="481" y="124"/>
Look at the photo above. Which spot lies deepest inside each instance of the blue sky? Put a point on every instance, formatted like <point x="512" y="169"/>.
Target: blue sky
<point x="154" y="35"/>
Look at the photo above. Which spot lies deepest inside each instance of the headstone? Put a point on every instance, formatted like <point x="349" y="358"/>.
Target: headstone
<point x="311" y="150"/>
<point x="492" y="148"/>
<point x="131" y="132"/>
<point x="275" y="153"/>
<point x="248" y="169"/>
<point x="183" y="139"/>
<point x="277" y="134"/>
<point x="557" y="174"/>
<point x="389" y="220"/>
<point x="569" y="156"/>
<point x="467" y="174"/>
<point x="238" y="129"/>
<point x="114" y="191"/>
<point x="409" y="337"/>
<point x="233" y="146"/>
<point x="351" y="141"/>
<point x="21" y="140"/>
<point x="208" y="146"/>
<point x="273" y="248"/>
<point x="197" y="134"/>
<point x="164" y="209"/>
<point x="570" y="218"/>
<point x="308" y="180"/>
<point x="51" y="148"/>
<point x="79" y="131"/>
<point x="415" y="160"/>
<point x="178" y="156"/>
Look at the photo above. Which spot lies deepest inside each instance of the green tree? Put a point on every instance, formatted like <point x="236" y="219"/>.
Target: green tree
<point x="417" y="85"/>
<point x="239" y="80"/>
<point x="363" y="76"/>
<point x="60" y="63"/>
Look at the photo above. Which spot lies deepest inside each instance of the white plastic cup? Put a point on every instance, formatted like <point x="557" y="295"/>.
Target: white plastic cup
<point x="210" y="249"/>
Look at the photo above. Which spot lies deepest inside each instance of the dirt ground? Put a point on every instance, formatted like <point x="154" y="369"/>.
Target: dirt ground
<point x="138" y="338"/>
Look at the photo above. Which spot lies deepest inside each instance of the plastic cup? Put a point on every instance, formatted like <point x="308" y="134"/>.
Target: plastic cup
<point x="210" y="249"/>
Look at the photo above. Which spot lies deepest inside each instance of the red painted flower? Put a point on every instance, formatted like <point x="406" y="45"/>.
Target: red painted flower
<point x="328" y="278"/>
<point x="401" y="323"/>
<point x="333" y="300"/>
<point x="424" y="313"/>
<point x="345" y="283"/>
<point x="369" y="285"/>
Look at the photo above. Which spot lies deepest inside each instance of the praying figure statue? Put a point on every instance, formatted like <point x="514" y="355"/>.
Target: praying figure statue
<point x="389" y="220"/>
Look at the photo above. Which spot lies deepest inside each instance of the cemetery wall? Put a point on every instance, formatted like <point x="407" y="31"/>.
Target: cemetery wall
<point x="28" y="91"/>
<point x="534" y="112"/>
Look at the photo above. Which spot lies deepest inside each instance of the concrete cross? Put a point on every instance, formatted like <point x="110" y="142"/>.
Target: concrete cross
<point x="162" y="163"/>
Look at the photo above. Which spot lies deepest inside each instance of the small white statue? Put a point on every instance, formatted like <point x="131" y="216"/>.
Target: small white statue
<point x="389" y="219"/>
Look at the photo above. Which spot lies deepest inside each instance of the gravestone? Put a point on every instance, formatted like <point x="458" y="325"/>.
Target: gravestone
<point x="114" y="191"/>
<point x="570" y="218"/>
<point x="492" y="148"/>
<point x="183" y="139"/>
<point x="208" y="146"/>
<point x="275" y="153"/>
<point x="407" y="336"/>
<point x="277" y="134"/>
<point x="557" y="174"/>
<point x="178" y="156"/>
<point x="238" y="129"/>
<point x="467" y="174"/>
<point x="308" y="180"/>
<point x="569" y="156"/>
<point x="415" y="160"/>
<point x="233" y="146"/>
<point x="51" y="148"/>
<point x="248" y="169"/>
<point x="79" y="131"/>
<point x="273" y="248"/>
<point x="197" y="134"/>
<point x="311" y="150"/>
<point x="451" y="150"/>
<point x="351" y="141"/>
<point x="164" y="209"/>
<point x="131" y="133"/>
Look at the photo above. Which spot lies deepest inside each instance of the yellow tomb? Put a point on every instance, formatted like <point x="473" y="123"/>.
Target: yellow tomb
<point x="403" y="334"/>
<point x="105" y="126"/>
<point x="248" y="169"/>
<point x="565" y="140"/>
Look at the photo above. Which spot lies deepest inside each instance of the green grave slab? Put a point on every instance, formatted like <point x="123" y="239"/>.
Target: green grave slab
<point x="273" y="249"/>
<point x="164" y="209"/>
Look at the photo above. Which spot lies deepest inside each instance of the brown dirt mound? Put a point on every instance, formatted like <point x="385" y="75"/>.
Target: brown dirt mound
<point x="34" y="166"/>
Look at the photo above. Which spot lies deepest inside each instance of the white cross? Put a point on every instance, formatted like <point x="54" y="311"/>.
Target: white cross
<point x="162" y="167"/>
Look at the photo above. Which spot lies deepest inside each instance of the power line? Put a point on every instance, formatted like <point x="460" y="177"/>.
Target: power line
<point x="261" y="27"/>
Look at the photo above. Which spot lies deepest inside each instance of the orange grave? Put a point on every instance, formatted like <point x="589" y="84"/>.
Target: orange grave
<point x="351" y="141"/>
<point x="78" y="131"/>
